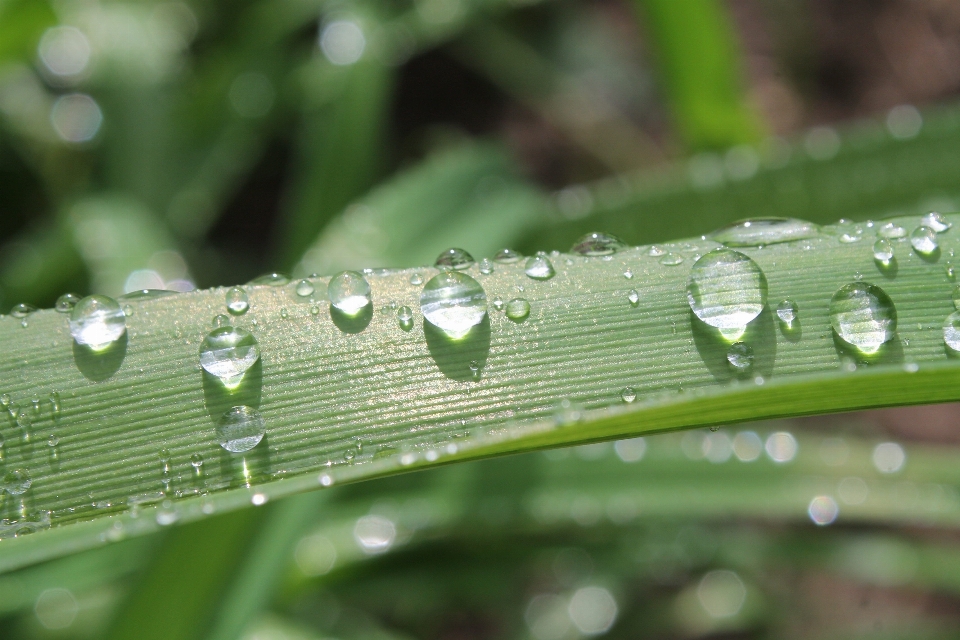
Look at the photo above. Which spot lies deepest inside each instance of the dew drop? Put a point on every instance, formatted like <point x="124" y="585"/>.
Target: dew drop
<point x="633" y="297"/>
<point x="787" y="312"/>
<point x="740" y="357"/>
<point x="272" y="279"/>
<point x="454" y="303"/>
<point x="655" y="251"/>
<point x="315" y="310"/>
<point x="284" y="313"/>
<point x="628" y="274"/>
<point x="227" y="353"/>
<point x="22" y="310"/>
<point x="240" y="429"/>
<point x="539" y="267"/>
<point x="951" y="272"/>
<point x="597" y="244"/>
<point x="237" y="302"/>
<point x="66" y="302"/>
<point x="758" y="232"/>
<point x="405" y="318"/>
<point x="196" y="461"/>
<point x="891" y="231"/>
<point x="924" y="241"/>
<point x="349" y="292"/>
<point x="498" y="303"/>
<point x="474" y="369"/>
<point x="304" y="288"/>
<point x="951" y="331"/>
<point x="454" y="259"/>
<point x="727" y="290"/>
<point x="518" y="310"/>
<point x="55" y="406"/>
<point x="416" y="280"/>
<point x="863" y="316"/>
<point x="97" y="322"/>
<point x="16" y="482"/>
<point x="486" y="267"/>
<point x="671" y="259"/>
<point x="628" y="395"/>
<point x="507" y="256"/>
<point x="936" y="221"/>
<point x="883" y="251"/>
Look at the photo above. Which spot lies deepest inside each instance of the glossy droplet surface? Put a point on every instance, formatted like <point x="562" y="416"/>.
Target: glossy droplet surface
<point x="228" y="352"/>
<point x="16" y="482"/>
<point x="628" y="394"/>
<point x="891" y="231"/>
<point x="936" y="221"/>
<point x="237" y="301"/>
<point x="454" y="259"/>
<point x="304" y="288"/>
<point x="518" y="309"/>
<point x="539" y="267"/>
<point x="272" y="279"/>
<point x="66" y="302"/>
<point x="597" y="244"/>
<point x="507" y="256"/>
<point x="240" y="429"/>
<point x="924" y="241"/>
<point x="757" y="232"/>
<point x="787" y="312"/>
<point x="863" y="316"/>
<point x="405" y="318"/>
<point x="485" y="267"/>
<point x="453" y="302"/>
<point x="22" y="310"/>
<point x="951" y="331"/>
<point x="671" y="259"/>
<point x="97" y="322"/>
<point x="883" y="251"/>
<point x="740" y="357"/>
<point x="956" y="297"/>
<point x="727" y="290"/>
<point x="349" y="292"/>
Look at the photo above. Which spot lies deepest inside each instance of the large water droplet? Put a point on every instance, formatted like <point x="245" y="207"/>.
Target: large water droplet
<point x="237" y="302"/>
<point x="240" y="429"/>
<point x="227" y="353"/>
<point x="405" y="318"/>
<point x="304" y="288"/>
<point x="951" y="331"/>
<point x="272" y="279"/>
<point x="883" y="251"/>
<point x="891" y="231"/>
<point x="518" y="309"/>
<point x="453" y="302"/>
<point x="597" y="244"/>
<point x="66" y="302"/>
<point x="740" y="357"/>
<point x="727" y="290"/>
<point x="507" y="256"/>
<point x="757" y="232"/>
<point x="454" y="259"/>
<point x="539" y="267"/>
<point x="924" y="241"/>
<point x="16" y="482"/>
<point x="349" y="292"/>
<point x="97" y="322"/>
<point x="863" y="316"/>
<point x="936" y="221"/>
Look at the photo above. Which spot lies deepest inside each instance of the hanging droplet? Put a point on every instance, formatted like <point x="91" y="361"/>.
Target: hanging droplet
<point x="628" y="395"/>
<point x="597" y="244"/>
<point x="883" y="251"/>
<point x="237" y="302"/>
<point x="16" y="482"/>
<point x="727" y="290"/>
<point x="633" y="297"/>
<point x="454" y="303"/>
<point x="507" y="256"/>
<point x="416" y="280"/>
<point x="539" y="267"/>
<point x="66" y="302"/>
<point x="518" y="310"/>
<point x="787" y="312"/>
<point x="740" y="357"/>
<point x="863" y="316"/>
<point x="405" y="318"/>
<point x="454" y="259"/>
<point x="304" y="288"/>
<point x="227" y="353"/>
<point x="272" y="279"/>
<point x="924" y="241"/>
<point x="349" y="292"/>
<point x="891" y="231"/>
<point x="97" y="322"/>
<point x="671" y="259"/>
<point x="758" y="232"/>
<point x="936" y="221"/>
<point x="240" y="429"/>
<point x="486" y="267"/>
<point x="22" y="310"/>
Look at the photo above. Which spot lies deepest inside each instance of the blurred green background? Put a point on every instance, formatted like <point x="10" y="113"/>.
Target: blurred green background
<point x="188" y="145"/>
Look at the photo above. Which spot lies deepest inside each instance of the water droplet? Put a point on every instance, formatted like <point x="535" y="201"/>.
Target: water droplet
<point x="518" y="309"/>
<point x="55" y="406"/>
<point x="22" y="310"/>
<point x="240" y="429"/>
<point x="486" y="267"/>
<point x="146" y="294"/>
<point x="758" y="232"/>
<point x="24" y="421"/>
<point x="227" y="353"/>
<point x="883" y="251"/>
<point x="597" y="244"/>
<point x="349" y="292"/>
<point x="237" y="302"/>
<point x="628" y="274"/>
<point x="951" y="331"/>
<point x="671" y="259"/>
<point x="315" y="310"/>
<point x="284" y="313"/>
<point x="539" y="267"/>
<point x="474" y="369"/>
<point x="740" y="357"/>
<point x="633" y="297"/>
<point x="507" y="256"/>
<point x="454" y="303"/>
<point x="67" y="302"/>
<point x="405" y="318"/>
<point x="848" y="237"/>
<point x="454" y="259"/>
<point x="272" y="279"/>
<point x="16" y="482"/>
<point x="53" y="440"/>
<point x="304" y="288"/>
<point x="498" y="303"/>
<point x="787" y="311"/>
<point x="891" y="231"/>
<point x="416" y="280"/>
<point x="196" y="461"/>
<point x="936" y="221"/>
<point x="628" y="394"/>
<point x="220" y="320"/>
<point x="97" y="322"/>
<point x="863" y="316"/>
<point x="727" y="290"/>
<point x="924" y="241"/>
<point x="951" y="271"/>
<point x="655" y="251"/>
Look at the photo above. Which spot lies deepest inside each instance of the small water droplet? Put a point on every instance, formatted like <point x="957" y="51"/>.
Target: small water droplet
<point x="891" y="231"/>
<point x="486" y="267"/>
<point x="787" y="311"/>
<point x="53" y="440"/>
<point x="196" y="461"/>
<point x="628" y="274"/>
<point x="924" y="241"/>
<point x="863" y="316"/>
<point x="951" y="331"/>
<point x="67" y="302"/>
<point x="633" y="297"/>
<point x="849" y="237"/>
<point x="237" y="302"/>
<point x="315" y="310"/>
<point x="55" y="406"/>
<point x="518" y="310"/>
<point x="507" y="256"/>
<point x="883" y="251"/>
<point x="727" y="290"/>
<point x="227" y="353"/>
<point x="597" y="244"/>
<point x="304" y="288"/>
<point x="454" y="303"/>
<point x="671" y="259"/>
<point x="24" y="421"/>
<point x="498" y="303"/>
<point x="349" y="292"/>
<point x="284" y="313"/>
<point x="416" y="280"/>
<point x="405" y="318"/>
<point x="240" y="429"/>
<point x="474" y="369"/>
<point x="655" y="251"/>
<point x="454" y="259"/>
<point x="936" y="221"/>
<point x="539" y="267"/>
<point x="272" y="279"/>
<point x="127" y="310"/>
<point x="16" y="482"/>
<point x="951" y="272"/>
<point x="22" y="310"/>
<point x="758" y="232"/>
<point x="220" y="320"/>
<point x="628" y="395"/>
<point x="740" y="357"/>
<point x="97" y="322"/>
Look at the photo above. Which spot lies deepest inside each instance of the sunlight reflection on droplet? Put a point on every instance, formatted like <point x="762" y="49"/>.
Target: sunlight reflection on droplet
<point x="342" y="42"/>
<point x="76" y="117"/>
<point x="374" y="534"/>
